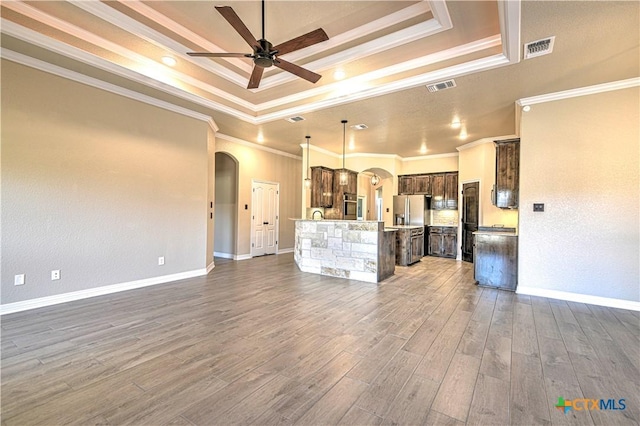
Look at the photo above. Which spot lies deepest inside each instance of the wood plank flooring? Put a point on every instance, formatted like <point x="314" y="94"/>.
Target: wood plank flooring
<point x="259" y="342"/>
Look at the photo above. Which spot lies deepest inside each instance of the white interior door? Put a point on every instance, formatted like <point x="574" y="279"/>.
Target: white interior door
<point x="265" y="218"/>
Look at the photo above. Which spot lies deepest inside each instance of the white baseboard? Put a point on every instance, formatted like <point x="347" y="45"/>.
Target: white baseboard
<point x="287" y="250"/>
<point x="25" y="305"/>
<point x="580" y="298"/>
<point x="223" y="255"/>
<point x="242" y="256"/>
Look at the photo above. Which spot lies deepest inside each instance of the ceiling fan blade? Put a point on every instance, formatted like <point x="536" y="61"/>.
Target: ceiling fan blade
<point x="220" y="55"/>
<point x="237" y="24"/>
<point x="256" y="76"/>
<point x="301" y="42"/>
<point x="297" y="70"/>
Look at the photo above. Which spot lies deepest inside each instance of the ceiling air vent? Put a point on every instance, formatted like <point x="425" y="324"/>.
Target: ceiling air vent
<point x="360" y="126"/>
<point x="295" y="119"/>
<point x="435" y="87"/>
<point x="539" y="47"/>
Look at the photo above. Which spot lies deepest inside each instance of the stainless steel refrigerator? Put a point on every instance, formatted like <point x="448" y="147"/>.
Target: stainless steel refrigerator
<point x="411" y="210"/>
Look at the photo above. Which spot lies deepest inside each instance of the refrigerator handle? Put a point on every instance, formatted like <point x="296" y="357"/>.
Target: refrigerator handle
<point x="407" y="211"/>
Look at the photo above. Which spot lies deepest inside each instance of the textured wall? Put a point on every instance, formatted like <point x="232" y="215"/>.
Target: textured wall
<point x="580" y="157"/>
<point x="96" y="185"/>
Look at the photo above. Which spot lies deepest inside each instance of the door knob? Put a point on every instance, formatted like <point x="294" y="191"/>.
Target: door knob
<point x="265" y="223"/>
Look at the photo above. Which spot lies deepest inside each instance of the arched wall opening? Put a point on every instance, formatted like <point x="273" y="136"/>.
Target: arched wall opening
<point x="226" y="205"/>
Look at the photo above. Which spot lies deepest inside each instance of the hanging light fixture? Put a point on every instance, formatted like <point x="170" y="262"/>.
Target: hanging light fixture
<point x="307" y="180"/>
<point x="344" y="177"/>
<point x="375" y="179"/>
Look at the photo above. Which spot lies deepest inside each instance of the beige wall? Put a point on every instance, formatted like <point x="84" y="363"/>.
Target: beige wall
<point x="580" y="157"/>
<point x="211" y="171"/>
<point x="430" y="164"/>
<point x="254" y="163"/>
<point x="96" y="185"/>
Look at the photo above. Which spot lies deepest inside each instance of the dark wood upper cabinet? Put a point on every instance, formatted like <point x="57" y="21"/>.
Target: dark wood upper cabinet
<point x="507" y="173"/>
<point x="422" y="184"/>
<point x="321" y="187"/>
<point x="437" y="191"/>
<point x="405" y="185"/>
<point x="451" y="191"/>
<point x="443" y="188"/>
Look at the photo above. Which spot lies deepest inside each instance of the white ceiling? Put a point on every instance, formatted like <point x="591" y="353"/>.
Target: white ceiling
<point x="388" y="50"/>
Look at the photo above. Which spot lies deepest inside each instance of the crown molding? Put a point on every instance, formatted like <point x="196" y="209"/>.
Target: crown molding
<point x="136" y="28"/>
<point x="155" y="69"/>
<point x="431" y="157"/>
<point x="582" y="91"/>
<point x="252" y="145"/>
<point x="28" y="61"/>
<point x="483" y="141"/>
<point x="509" y="15"/>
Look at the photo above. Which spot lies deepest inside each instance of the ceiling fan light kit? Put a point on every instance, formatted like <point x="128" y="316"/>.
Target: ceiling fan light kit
<point x="264" y="53"/>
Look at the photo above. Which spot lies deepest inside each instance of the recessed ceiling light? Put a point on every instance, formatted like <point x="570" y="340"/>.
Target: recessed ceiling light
<point x="359" y="126"/>
<point x="168" y="60"/>
<point x="423" y="149"/>
<point x="455" y="124"/>
<point x="339" y="74"/>
<point x="526" y="108"/>
<point x="463" y="133"/>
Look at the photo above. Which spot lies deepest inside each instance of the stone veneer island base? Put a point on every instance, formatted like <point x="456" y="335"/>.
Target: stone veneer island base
<point x="351" y="249"/>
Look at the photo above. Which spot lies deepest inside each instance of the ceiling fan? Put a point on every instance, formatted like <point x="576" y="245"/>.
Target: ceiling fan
<point x="264" y="53"/>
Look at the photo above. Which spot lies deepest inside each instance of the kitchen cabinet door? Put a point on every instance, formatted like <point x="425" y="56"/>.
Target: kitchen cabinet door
<point x="422" y="184"/>
<point x="405" y="185"/>
<point x="451" y="191"/>
<point x="321" y="187"/>
<point x="449" y="248"/>
<point x="417" y="248"/>
<point x="507" y="173"/>
<point x="353" y="183"/>
<point x="437" y="191"/>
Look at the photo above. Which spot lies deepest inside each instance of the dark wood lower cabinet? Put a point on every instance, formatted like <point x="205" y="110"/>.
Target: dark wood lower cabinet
<point x="496" y="260"/>
<point x="443" y="241"/>
<point x="409" y="245"/>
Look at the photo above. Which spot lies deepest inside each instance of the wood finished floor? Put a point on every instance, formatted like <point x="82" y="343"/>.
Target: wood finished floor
<point x="259" y="342"/>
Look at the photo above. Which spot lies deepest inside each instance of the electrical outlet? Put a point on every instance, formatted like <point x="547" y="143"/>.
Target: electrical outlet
<point x="161" y="260"/>
<point x="55" y="274"/>
<point x="538" y="207"/>
<point x="18" y="279"/>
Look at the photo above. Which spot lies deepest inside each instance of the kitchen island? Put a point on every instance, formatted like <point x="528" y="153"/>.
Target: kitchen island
<point x="351" y="249"/>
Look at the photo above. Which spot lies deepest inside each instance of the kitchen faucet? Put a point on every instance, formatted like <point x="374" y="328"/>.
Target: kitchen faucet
<point x="313" y="216"/>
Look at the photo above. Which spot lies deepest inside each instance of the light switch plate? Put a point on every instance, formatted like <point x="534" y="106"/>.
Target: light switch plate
<point x="538" y="207"/>
<point x="18" y="279"/>
<point x="55" y="274"/>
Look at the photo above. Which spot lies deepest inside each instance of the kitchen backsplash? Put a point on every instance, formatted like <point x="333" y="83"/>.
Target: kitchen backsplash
<point x="444" y="217"/>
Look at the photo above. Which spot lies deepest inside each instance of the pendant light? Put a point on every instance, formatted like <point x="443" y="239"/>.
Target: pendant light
<point x="344" y="177"/>
<point x="375" y="179"/>
<point x="307" y="180"/>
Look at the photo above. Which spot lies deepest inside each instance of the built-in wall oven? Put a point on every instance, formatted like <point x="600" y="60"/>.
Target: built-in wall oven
<point x="350" y="207"/>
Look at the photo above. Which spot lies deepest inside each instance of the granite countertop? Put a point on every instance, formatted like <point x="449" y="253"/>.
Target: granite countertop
<point x="390" y="230"/>
<point x="445" y="226"/>
<point x="405" y="226"/>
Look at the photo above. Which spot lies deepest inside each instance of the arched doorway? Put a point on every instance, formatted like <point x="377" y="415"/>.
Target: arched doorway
<point x="226" y="206"/>
<point x="377" y="194"/>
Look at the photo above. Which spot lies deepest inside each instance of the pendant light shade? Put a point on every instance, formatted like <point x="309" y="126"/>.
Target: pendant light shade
<point x="307" y="180"/>
<point x="344" y="177"/>
<point x="375" y="179"/>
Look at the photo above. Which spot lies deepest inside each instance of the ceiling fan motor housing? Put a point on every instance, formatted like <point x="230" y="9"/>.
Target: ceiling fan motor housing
<point x="264" y="55"/>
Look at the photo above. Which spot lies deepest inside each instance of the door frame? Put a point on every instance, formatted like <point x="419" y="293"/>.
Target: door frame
<point x="461" y="210"/>
<point x="252" y="236"/>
